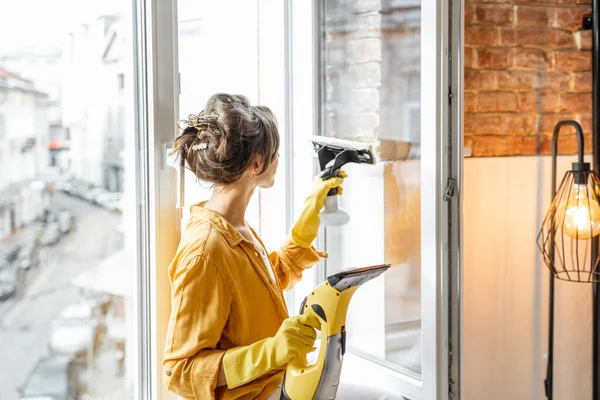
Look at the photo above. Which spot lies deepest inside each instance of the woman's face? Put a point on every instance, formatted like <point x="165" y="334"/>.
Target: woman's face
<point x="267" y="178"/>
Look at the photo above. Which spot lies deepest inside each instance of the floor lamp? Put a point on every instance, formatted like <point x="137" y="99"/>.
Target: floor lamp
<point x="570" y="231"/>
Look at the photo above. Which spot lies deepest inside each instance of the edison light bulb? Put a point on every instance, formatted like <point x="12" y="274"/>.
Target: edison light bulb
<point x="579" y="216"/>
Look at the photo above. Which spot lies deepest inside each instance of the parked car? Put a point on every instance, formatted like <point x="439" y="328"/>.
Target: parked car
<point x="10" y="254"/>
<point x="65" y="221"/>
<point x="11" y="280"/>
<point x="54" y="378"/>
<point x="64" y="185"/>
<point x="51" y="234"/>
<point x="49" y="216"/>
<point x="93" y="194"/>
<point x="110" y="200"/>
<point x="74" y="331"/>
<point x="28" y="256"/>
<point x="78" y="188"/>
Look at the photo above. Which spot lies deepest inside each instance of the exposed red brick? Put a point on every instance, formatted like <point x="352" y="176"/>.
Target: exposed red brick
<point x="536" y="37"/>
<point x="528" y="101"/>
<point x="517" y="80"/>
<point x="569" y="17"/>
<point x="494" y="58"/>
<point x="533" y="15"/>
<point x="475" y="79"/>
<point x="496" y="101"/>
<point x="554" y="81"/>
<point x="517" y="36"/>
<point x="494" y="13"/>
<point x="527" y="67"/>
<point x="485" y="146"/>
<point x="586" y="122"/>
<point x="561" y="39"/>
<point x="547" y="122"/>
<point x="581" y="82"/>
<point x="468" y="55"/>
<point x="572" y="61"/>
<point x="469" y="13"/>
<point x="534" y="59"/>
<point x="576" y="102"/>
<point x="483" y="123"/>
<point x="518" y="124"/>
<point x="552" y="1"/>
<point x="470" y="102"/>
<point x="523" y="145"/>
<point x="468" y="141"/>
<point x="583" y="39"/>
<point x="481" y="36"/>
<point x="567" y="143"/>
<point x="539" y="101"/>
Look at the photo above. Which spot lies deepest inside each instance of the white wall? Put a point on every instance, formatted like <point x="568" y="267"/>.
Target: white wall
<point x="505" y="303"/>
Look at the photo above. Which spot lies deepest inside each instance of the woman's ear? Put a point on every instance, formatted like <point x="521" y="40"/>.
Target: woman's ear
<point x="257" y="165"/>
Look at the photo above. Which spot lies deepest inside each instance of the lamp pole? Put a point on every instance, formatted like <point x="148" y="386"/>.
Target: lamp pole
<point x="593" y="22"/>
<point x="548" y="383"/>
<point x="596" y="168"/>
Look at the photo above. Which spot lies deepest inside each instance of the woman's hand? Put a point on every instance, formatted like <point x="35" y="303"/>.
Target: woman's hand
<point x="306" y="227"/>
<point x="295" y="338"/>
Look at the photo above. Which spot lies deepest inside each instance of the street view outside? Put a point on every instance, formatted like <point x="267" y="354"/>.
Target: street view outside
<point x="65" y="137"/>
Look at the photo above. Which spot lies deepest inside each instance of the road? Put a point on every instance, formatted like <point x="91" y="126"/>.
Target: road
<point x="25" y="321"/>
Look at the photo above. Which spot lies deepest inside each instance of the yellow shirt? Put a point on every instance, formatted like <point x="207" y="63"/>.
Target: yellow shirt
<point x="222" y="296"/>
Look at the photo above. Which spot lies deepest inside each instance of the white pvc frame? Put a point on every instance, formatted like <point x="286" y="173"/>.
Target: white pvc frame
<point x="157" y="216"/>
<point x="435" y="171"/>
<point x="157" y="92"/>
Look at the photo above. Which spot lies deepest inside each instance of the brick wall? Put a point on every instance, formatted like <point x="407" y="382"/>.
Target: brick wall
<point x="527" y="66"/>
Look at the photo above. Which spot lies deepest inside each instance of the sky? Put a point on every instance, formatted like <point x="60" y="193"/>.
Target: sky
<point x="44" y="22"/>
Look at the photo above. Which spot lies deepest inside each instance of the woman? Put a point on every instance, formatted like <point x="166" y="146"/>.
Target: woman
<point x="229" y="335"/>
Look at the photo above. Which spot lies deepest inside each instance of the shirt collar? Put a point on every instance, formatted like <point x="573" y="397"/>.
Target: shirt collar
<point x="233" y="236"/>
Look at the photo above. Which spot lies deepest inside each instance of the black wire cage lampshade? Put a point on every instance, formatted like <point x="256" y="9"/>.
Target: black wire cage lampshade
<point x="572" y="224"/>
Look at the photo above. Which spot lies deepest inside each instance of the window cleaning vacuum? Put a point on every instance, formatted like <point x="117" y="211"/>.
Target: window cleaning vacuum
<point x="330" y="300"/>
<point x="332" y="155"/>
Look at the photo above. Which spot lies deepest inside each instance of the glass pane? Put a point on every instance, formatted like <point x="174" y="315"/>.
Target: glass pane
<point x="237" y="53"/>
<point x="66" y="154"/>
<point x="371" y="79"/>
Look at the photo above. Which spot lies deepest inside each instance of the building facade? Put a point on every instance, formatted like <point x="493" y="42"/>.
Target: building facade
<point x="23" y="152"/>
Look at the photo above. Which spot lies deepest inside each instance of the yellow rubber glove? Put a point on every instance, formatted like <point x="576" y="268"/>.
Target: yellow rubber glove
<point x="306" y="227"/>
<point x="295" y="338"/>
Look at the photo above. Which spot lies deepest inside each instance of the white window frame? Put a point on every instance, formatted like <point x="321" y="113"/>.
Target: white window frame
<point x="160" y="192"/>
<point x="157" y="214"/>
<point x="435" y="171"/>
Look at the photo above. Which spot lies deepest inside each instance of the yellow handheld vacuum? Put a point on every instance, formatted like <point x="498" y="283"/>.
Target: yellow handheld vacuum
<point x="329" y="302"/>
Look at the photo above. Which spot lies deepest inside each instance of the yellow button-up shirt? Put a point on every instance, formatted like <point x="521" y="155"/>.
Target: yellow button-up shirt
<point x="222" y="296"/>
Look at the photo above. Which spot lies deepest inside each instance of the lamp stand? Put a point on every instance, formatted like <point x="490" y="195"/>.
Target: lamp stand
<point x="593" y="22"/>
<point x="548" y="383"/>
<point x="596" y="167"/>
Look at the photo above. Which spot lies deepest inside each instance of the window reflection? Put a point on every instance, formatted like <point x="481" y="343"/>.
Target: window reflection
<point x="371" y="78"/>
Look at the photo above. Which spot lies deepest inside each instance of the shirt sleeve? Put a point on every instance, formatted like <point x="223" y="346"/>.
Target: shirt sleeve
<point x="200" y="305"/>
<point x="291" y="260"/>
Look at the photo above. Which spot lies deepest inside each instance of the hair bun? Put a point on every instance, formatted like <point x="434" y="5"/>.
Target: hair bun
<point x="226" y="137"/>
